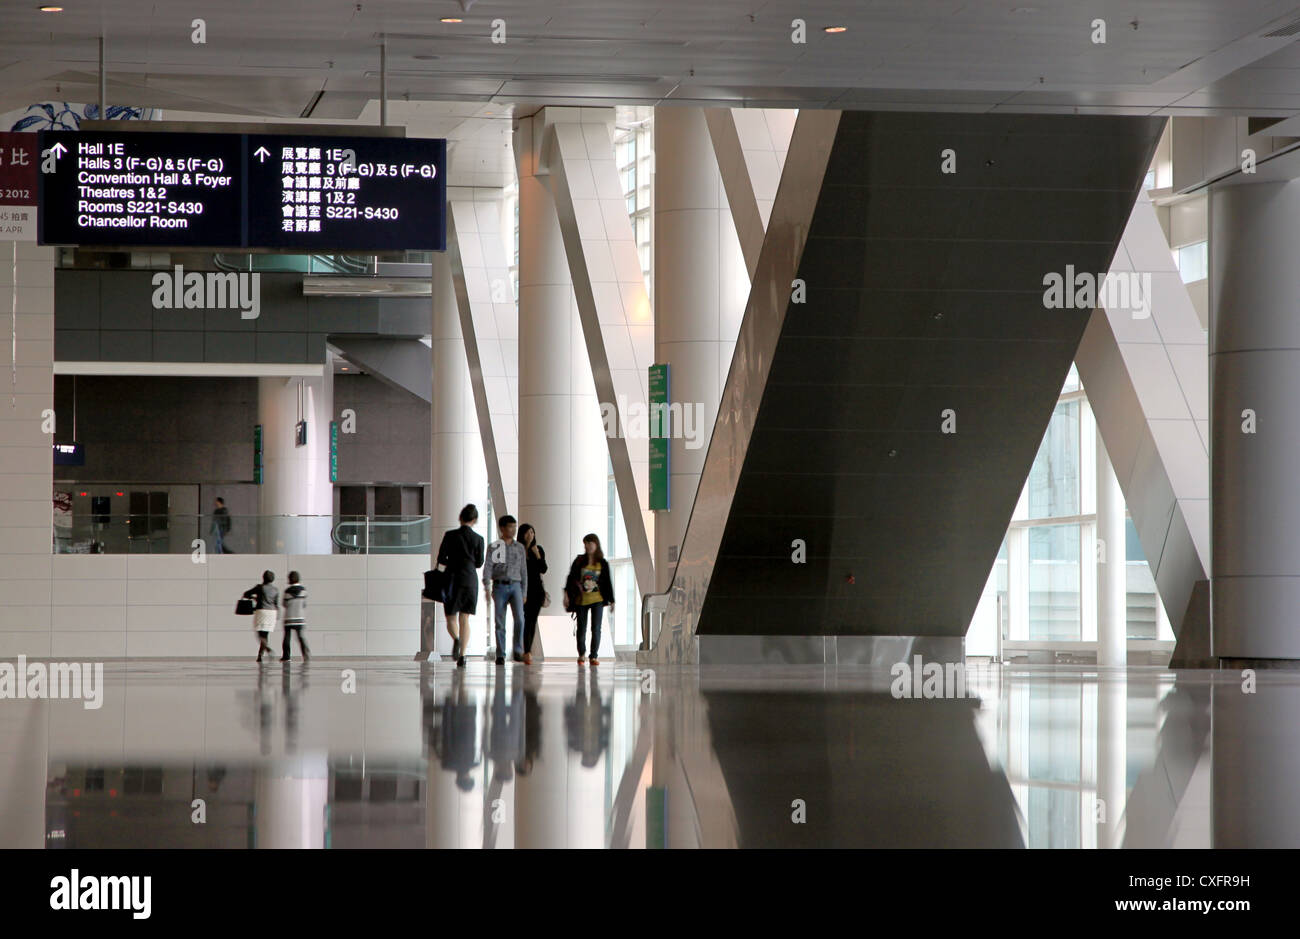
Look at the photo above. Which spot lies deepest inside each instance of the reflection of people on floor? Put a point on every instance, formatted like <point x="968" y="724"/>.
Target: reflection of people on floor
<point x="505" y="738"/>
<point x="291" y="699"/>
<point x="264" y="707"/>
<point x="587" y="720"/>
<point x="532" y="742"/>
<point x="452" y="732"/>
<point x="216" y="773"/>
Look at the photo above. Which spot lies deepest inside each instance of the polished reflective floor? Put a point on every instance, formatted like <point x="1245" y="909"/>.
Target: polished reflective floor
<point x="352" y="754"/>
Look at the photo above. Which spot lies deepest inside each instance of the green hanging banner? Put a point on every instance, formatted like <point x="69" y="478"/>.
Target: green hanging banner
<point x="660" y="434"/>
<point x="334" y="451"/>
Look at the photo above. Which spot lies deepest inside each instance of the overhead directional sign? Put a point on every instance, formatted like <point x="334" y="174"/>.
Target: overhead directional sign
<point x="143" y="189"/>
<point x="336" y="193"/>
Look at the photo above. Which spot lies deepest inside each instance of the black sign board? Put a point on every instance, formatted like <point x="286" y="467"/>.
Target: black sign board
<point x="69" y="454"/>
<point x="141" y="189"/>
<point x="347" y="193"/>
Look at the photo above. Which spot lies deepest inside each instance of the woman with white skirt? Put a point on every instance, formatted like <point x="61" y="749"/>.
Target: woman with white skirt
<point x="266" y="596"/>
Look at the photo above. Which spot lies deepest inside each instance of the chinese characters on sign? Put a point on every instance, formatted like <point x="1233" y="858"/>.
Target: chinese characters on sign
<point x="18" y="187"/>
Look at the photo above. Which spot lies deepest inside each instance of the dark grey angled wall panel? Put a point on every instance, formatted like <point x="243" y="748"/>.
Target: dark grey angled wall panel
<point x="925" y="292"/>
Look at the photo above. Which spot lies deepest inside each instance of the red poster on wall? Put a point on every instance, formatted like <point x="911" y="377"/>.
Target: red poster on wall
<point x="19" y="160"/>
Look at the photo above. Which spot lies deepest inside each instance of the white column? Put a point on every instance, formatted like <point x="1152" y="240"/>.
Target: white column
<point x="1112" y="591"/>
<point x="701" y="287"/>
<point x="459" y="474"/>
<point x="296" y="480"/>
<point x="563" y="459"/>
<point x="26" y="462"/>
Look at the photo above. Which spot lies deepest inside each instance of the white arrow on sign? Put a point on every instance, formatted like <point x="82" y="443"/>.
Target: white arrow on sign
<point x="261" y="153"/>
<point x="59" y="149"/>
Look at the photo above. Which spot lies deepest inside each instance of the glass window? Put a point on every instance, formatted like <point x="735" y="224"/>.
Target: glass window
<point x="1054" y="478"/>
<point x="1054" y="610"/>
<point x="1193" y="261"/>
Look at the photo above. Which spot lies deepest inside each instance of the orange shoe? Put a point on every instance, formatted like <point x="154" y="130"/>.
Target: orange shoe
<point x="528" y="658"/>
<point x="582" y="660"/>
<point x="595" y="661"/>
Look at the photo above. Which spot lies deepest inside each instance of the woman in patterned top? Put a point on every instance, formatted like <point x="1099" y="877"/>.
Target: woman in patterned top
<point x="587" y="591"/>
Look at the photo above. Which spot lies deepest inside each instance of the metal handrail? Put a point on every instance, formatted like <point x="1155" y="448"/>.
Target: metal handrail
<point x="336" y="535"/>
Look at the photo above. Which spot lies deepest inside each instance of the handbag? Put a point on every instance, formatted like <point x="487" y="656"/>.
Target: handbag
<point x="244" y="607"/>
<point x="435" y="585"/>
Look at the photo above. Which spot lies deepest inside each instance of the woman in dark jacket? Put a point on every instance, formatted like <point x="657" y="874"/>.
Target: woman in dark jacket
<point x="536" y="557"/>
<point x="460" y="554"/>
<point x="267" y="601"/>
<point x="587" y="591"/>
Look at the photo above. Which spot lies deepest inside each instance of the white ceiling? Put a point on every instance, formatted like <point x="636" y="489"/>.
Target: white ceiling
<point x="319" y="59"/>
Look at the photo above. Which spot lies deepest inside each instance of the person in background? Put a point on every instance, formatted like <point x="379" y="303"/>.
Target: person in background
<point x="220" y="527"/>
<point x="295" y="609"/>
<point x="587" y="591"/>
<point x="506" y="577"/>
<point x="266" y="596"/>
<point x="460" y="554"/>
<point x="536" y="592"/>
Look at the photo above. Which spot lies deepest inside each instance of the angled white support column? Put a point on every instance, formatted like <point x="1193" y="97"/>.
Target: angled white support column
<point x="1144" y="366"/>
<point x="490" y="327"/>
<point x="701" y="284"/>
<point x="750" y="145"/>
<point x="612" y="301"/>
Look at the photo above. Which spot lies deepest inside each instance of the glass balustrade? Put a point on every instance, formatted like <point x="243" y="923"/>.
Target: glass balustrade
<point x="247" y="534"/>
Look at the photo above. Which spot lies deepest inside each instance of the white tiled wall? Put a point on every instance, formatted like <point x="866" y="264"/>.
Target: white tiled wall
<point x="26" y="467"/>
<point x="109" y="606"/>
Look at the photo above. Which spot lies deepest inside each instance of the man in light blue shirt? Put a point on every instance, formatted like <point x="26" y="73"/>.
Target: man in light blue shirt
<point x="505" y="579"/>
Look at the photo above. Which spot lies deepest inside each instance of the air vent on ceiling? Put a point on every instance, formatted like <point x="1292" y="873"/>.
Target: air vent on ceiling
<point x="1290" y="29"/>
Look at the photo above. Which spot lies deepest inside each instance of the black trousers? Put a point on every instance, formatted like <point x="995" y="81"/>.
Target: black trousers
<point x="531" y="612"/>
<point x="302" y="646"/>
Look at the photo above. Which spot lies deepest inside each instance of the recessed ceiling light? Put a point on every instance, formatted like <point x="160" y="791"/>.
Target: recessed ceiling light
<point x="835" y="29"/>
<point x="51" y="9"/>
<point x="451" y="19"/>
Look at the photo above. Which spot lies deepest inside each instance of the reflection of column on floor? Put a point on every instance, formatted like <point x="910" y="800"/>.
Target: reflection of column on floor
<point x="1255" y="753"/>
<point x="459" y="473"/>
<point x="24" y="764"/>
<point x="1112" y="759"/>
<point x="453" y="814"/>
<point x="689" y="805"/>
<point x="295" y="480"/>
<point x="540" y="806"/>
<point x="290" y="798"/>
